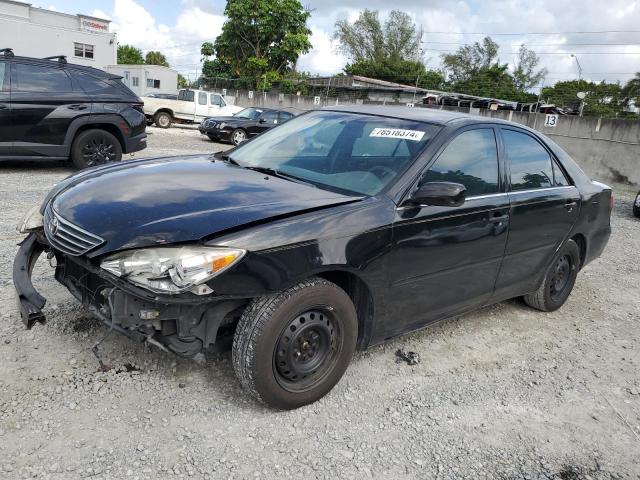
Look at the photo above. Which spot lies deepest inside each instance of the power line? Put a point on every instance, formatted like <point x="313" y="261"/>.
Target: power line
<point x="534" y="33"/>
<point x="549" y="53"/>
<point x="544" y="44"/>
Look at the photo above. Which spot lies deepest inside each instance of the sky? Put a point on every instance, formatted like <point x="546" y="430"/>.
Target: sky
<point x="178" y="28"/>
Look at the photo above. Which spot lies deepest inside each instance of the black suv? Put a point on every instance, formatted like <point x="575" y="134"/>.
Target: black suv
<point x="54" y="110"/>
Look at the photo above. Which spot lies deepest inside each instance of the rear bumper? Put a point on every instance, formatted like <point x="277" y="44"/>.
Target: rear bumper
<point x="135" y="144"/>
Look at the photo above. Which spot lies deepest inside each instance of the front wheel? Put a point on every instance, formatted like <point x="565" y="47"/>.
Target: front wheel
<point x="558" y="281"/>
<point x="636" y="206"/>
<point x="291" y="348"/>
<point x="238" y="136"/>
<point x="95" y="147"/>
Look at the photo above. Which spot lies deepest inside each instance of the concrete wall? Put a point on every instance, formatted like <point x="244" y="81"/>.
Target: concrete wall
<point x="607" y="149"/>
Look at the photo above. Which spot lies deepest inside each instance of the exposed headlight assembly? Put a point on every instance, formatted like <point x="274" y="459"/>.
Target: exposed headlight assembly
<point x="172" y="269"/>
<point x="32" y="220"/>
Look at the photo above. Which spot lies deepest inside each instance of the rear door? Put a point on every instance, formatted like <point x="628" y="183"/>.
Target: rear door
<point x="544" y="207"/>
<point x="6" y="140"/>
<point x="43" y="103"/>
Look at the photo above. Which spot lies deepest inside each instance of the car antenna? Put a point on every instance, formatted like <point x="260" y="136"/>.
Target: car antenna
<point x="60" y="58"/>
<point x="7" y="52"/>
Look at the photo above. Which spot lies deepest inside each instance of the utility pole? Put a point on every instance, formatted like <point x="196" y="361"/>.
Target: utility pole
<point x="579" y="66"/>
<point x="415" y="90"/>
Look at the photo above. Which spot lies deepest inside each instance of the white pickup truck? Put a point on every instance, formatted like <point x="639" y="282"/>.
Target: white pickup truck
<point x="191" y="106"/>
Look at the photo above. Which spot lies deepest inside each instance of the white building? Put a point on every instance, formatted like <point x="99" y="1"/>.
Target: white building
<point x="37" y="32"/>
<point x="146" y="79"/>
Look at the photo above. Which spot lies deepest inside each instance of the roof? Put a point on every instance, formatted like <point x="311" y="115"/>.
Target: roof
<point x="138" y="65"/>
<point x="419" y="114"/>
<point x="54" y="63"/>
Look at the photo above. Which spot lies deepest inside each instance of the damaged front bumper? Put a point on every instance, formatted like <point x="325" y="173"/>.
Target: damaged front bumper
<point x="185" y="324"/>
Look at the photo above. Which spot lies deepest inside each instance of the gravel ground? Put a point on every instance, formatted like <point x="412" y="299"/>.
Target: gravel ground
<point x="504" y="392"/>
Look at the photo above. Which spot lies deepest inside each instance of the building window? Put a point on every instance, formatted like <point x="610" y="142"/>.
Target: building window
<point x="136" y="81"/>
<point x="83" y="50"/>
<point x="151" y="83"/>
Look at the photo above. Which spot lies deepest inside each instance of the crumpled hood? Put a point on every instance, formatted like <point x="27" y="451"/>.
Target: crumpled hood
<point x="178" y="199"/>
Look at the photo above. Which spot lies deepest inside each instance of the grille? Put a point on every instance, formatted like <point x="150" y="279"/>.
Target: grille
<point x="66" y="237"/>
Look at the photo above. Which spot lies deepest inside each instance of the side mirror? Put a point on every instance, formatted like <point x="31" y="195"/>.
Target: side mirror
<point x="262" y="120"/>
<point x="439" y="194"/>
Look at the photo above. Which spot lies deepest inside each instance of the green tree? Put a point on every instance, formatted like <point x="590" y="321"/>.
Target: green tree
<point x="601" y="99"/>
<point x="525" y="75"/>
<point x="631" y="91"/>
<point x="367" y="39"/>
<point x="156" y="58"/>
<point x="182" y="81"/>
<point x="469" y="60"/>
<point x="129" y="55"/>
<point x="260" y="37"/>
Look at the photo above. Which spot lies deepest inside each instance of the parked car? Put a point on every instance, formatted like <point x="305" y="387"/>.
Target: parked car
<point x="636" y="206"/>
<point x="243" y="125"/>
<point x="55" y="110"/>
<point x="192" y="106"/>
<point x="340" y="229"/>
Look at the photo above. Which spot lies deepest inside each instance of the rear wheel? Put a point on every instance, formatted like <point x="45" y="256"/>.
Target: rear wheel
<point x="292" y="347"/>
<point x="95" y="147"/>
<point x="163" y="119"/>
<point x="636" y="206"/>
<point x="558" y="281"/>
<point x="238" y="136"/>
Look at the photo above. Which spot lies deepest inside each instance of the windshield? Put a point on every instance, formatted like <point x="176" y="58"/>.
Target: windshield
<point x="251" y="113"/>
<point x="354" y="153"/>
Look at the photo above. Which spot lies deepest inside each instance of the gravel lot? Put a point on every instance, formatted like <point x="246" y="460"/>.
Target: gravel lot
<point x="505" y="392"/>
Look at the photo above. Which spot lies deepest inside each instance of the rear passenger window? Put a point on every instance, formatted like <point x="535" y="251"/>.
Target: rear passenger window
<point x="89" y="83"/>
<point x="559" y="176"/>
<point x="470" y="159"/>
<point x="34" y="78"/>
<point x="530" y="162"/>
<point x="3" y="69"/>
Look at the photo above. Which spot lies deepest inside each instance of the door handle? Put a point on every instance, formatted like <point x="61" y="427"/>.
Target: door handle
<point x="570" y="204"/>
<point x="498" y="217"/>
<point x="77" y="107"/>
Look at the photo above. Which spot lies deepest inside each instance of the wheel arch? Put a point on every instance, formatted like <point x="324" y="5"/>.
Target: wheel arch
<point x="164" y="110"/>
<point x="107" y="127"/>
<point x="581" y="241"/>
<point x="362" y="299"/>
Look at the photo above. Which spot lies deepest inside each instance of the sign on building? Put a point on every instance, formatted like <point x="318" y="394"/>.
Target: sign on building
<point x="410" y="105"/>
<point x="93" y="25"/>
<point x="250" y="94"/>
<point x="316" y="100"/>
<point x="551" y="120"/>
<point x="224" y="92"/>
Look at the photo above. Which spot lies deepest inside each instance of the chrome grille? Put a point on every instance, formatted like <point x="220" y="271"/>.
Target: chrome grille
<point x="67" y="237"/>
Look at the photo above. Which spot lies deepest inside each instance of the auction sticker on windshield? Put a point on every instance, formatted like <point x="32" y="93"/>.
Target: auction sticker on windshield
<point x="415" y="135"/>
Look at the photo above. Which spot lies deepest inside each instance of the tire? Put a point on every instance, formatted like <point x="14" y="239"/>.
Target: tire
<point x="163" y="119"/>
<point x="558" y="281"/>
<point x="292" y="347"/>
<point x="238" y="136"/>
<point x="95" y="147"/>
<point x="636" y="206"/>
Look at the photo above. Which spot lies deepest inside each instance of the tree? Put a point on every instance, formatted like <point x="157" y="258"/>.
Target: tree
<point x="631" y="91"/>
<point x="468" y="60"/>
<point x="602" y="99"/>
<point x="156" y="58"/>
<point x="261" y="36"/>
<point x="525" y="75"/>
<point x="367" y="39"/>
<point x="129" y="55"/>
<point x="182" y="81"/>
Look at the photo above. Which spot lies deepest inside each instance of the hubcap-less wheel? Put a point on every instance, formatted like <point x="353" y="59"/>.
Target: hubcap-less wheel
<point x="561" y="277"/>
<point x="307" y="350"/>
<point x="97" y="151"/>
<point x="164" y="121"/>
<point x="239" y="137"/>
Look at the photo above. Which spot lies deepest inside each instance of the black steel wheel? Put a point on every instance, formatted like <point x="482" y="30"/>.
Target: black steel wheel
<point x="95" y="147"/>
<point x="292" y="347"/>
<point x="558" y="281"/>
<point x="307" y="349"/>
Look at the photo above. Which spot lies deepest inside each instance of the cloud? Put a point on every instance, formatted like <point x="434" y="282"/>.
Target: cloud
<point x="324" y="59"/>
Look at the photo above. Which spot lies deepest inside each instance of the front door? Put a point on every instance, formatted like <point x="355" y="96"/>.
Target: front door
<point x="445" y="260"/>
<point x="6" y="141"/>
<point x="544" y="207"/>
<point x="44" y="103"/>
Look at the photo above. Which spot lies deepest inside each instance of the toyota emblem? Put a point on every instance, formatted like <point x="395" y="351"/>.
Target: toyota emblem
<point x="53" y="226"/>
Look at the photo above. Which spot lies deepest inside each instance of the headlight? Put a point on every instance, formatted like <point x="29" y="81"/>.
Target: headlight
<point x="32" y="220"/>
<point x="172" y="269"/>
<point x="222" y="125"/>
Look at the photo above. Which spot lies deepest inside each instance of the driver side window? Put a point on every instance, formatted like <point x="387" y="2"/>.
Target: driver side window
<point x="3" y="69"/>
<point x="470" y="159"/>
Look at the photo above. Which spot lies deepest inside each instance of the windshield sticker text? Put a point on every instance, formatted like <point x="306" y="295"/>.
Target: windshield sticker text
<point x="415" y="135"/>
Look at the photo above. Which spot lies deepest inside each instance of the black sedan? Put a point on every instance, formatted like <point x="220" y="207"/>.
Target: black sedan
<point x="339" y="230"/>
<point x="243" y="125"/>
